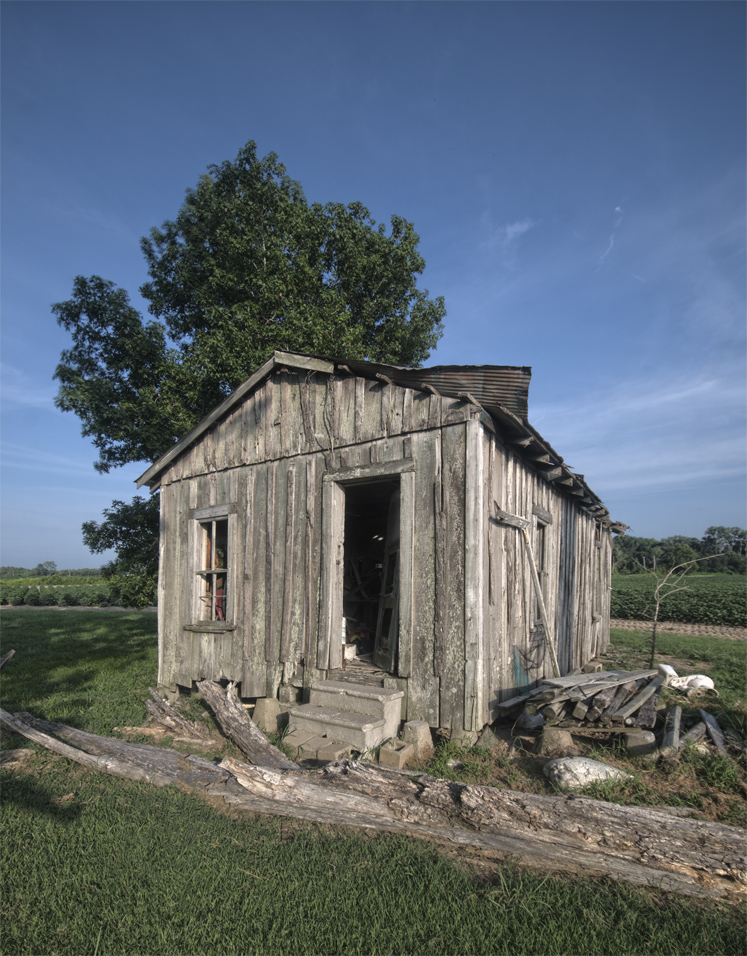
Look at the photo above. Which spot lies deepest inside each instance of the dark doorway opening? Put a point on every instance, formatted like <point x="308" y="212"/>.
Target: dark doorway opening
<point x="371" y="573"/>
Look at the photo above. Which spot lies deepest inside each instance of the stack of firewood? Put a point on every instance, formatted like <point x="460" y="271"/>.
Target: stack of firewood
<point x="608" y="700"/>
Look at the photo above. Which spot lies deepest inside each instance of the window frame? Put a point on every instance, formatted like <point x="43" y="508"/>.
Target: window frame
<point x="197" y="577"/>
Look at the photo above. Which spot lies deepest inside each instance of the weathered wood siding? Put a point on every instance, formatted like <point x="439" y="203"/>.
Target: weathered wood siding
<point x="469" y="638"/>
<point x="576" y="580"/>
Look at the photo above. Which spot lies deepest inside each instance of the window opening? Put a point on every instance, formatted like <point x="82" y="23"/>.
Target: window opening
<point x="214" y="570"/>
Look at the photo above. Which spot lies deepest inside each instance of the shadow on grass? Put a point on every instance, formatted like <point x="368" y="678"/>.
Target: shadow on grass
<point x="28" y="794"/>
<point x="67" y="664"/>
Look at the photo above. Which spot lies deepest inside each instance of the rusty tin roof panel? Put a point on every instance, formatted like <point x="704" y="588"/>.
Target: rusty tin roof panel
<point x="491" y="385"/>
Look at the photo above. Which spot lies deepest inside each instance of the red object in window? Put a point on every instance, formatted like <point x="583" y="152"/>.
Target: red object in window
<point x="220" y="605"/>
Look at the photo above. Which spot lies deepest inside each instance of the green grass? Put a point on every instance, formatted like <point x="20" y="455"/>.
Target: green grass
<point x="94" y="864"/>
<point x="723" y="660"/>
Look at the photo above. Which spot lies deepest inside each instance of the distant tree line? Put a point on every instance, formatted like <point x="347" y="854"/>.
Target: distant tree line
<point x="631" y="555"/>
<point x="47" y="569"/>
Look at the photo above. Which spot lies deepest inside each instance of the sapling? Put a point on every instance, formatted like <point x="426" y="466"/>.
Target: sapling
<point x="667" y="584"/>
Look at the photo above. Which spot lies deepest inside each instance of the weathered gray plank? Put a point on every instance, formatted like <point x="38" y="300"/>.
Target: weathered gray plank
<point x="452" y="674"/>
<point x="475" y="710"/>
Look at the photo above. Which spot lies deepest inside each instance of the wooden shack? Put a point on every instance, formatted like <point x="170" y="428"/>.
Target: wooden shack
<point x="328" y="502"/>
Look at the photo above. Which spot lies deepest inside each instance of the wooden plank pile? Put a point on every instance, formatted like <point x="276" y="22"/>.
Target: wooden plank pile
<point x="609" y="701"/>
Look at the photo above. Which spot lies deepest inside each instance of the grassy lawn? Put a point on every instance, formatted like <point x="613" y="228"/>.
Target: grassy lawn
<point x="94" y="864"/>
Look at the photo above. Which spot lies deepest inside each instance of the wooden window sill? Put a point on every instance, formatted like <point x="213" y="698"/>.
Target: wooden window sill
<point x="207" y="627"/>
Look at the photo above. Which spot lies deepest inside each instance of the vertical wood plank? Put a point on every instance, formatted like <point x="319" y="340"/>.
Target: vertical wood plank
<point x="406" y="575"/>
<point x="475" y="711"/>
<point x="360" y="404"/>
<point x="269" y="557"/>
<point x="439" y="611"/>
<point x="288" y="580"/>
<point x="313" y="566"/>
<point x="407" y="410"/>
<point x="333" y="522"/>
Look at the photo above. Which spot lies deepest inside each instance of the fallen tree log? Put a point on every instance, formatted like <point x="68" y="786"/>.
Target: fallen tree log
<point x="157" y="765"/>
<point x="638" y="844"/>
<point x="164" y="714"/>
<point x="238" y="726"/>
<point x="641" y="845"/>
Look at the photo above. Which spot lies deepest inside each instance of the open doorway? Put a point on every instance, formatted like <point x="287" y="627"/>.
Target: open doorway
<point x="371" y="571"/>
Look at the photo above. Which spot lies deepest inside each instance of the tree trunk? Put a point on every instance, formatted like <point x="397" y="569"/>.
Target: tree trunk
<point x="157" y="765"/>
<point x="637" y="844"/>
<point x="238" y="726"/>
<point x="164" y="714"/>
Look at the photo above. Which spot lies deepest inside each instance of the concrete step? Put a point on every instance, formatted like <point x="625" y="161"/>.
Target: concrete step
<point x="362" y="731"/>
<point x="308" y="746"/>
<point x="360" y="699"/>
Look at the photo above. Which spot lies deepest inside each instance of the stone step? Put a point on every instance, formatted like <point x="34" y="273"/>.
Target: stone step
<point x="362" y="731"/>
<point x="360" y="699"/>
<point x="307" y="746"/>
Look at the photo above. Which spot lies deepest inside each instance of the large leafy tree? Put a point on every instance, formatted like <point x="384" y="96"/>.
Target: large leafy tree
<point x="246" y="267"/>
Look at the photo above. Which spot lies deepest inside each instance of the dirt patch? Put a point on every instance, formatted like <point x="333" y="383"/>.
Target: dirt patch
<point x="690" y="630"/>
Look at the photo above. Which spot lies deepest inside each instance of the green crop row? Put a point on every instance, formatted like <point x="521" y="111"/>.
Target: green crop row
<point x="80" y="595"/>
<point x="708" y="599"/>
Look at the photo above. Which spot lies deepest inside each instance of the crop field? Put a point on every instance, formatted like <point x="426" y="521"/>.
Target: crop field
<point x="95" y="864"/>
<point x="84" y="592"/>
<point x="719" y="599"/>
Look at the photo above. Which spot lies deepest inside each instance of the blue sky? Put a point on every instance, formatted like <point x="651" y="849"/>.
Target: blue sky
<point x="576" y="172"/>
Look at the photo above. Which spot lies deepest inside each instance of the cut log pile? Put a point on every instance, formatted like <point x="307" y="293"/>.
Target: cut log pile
<point x="608" y="700"/>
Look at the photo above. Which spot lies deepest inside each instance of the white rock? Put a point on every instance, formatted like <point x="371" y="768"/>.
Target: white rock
<point x="572" y="773"/>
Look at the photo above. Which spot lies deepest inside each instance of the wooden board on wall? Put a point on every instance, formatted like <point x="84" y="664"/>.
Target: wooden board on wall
<point x="452" y="671"/>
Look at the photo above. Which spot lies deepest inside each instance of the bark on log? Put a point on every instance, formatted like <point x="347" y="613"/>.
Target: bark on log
<point x="120" y="757"/>
<point x="638" y="844"/>
<point x="238" y="726"/>
<point x="165" y="715"/>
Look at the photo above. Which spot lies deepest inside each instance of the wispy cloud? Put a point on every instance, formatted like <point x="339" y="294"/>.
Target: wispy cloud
<point x="617" y="222"/>
<point x="643" y="435"/>
<point x="514" y="230"/>
<point x="38" y="459"/>
<point x="18" y="389"/>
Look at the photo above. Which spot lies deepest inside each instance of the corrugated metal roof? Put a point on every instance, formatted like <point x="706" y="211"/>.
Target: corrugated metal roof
<point x="491" y="385"/>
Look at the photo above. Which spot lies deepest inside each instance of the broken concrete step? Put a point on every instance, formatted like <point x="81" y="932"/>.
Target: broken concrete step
<point x="308" y="746"/>
<point x="360" y="699"/>
<point x="362" y="731"/>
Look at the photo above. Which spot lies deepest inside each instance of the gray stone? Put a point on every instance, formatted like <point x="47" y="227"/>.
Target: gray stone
<point x="639" y="741"/>
<point x="573" y="773"/>
<point x="553" y="740"/>
<point x="418" y="733"/>
<point x="488" y="740"/>
<point x="332" y="751"/>
<point x="464" y="738"/>
<point x="266" y="713"/>
<point x="396" y="753"/>
<point x="592" y="668"/>
<point x="288" y="695"/>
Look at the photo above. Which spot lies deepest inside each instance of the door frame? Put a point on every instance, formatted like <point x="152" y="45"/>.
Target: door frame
<point x="329" y="642"/>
